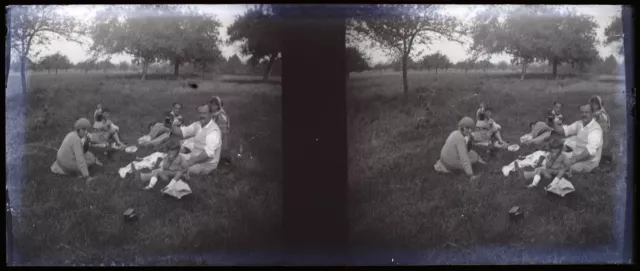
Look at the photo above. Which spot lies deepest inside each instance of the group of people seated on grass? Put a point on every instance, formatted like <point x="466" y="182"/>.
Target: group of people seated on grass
<point x="574" y="148"/>
<point x="194" y="149"/>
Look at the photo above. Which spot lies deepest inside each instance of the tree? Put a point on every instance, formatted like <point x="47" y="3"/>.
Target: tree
<point x="87" y="65"/>
<point x="614" y="34"/>
<point x="503" y="65"/>
<point x="356" y="60"/>
<point x="398" y="28"/>
<point x="435" y="61"/>
<point x="123" y="66"/>
<point x="55" y="62"/>
<point x="258" y="30"/>
<point x="37" y="25"/>
<point x="484" y="65"/>
<point x="188" y="36"/>
<point x="105" y="65"/>
<point x="135" y="30"/>
<point x="535" y="34"/>
<point x="610" y="65"/>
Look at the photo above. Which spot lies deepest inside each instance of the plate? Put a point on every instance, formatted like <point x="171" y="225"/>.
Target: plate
<point x="514" y="147"/>
<point x="131" y="149"/>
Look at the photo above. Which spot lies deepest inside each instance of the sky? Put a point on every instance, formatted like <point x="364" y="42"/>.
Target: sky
<point x="226" y="14"/>
<point x="602" y="14"/>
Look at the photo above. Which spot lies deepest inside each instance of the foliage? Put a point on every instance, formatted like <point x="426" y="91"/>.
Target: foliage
<point x="356" y="60"/>
<point x="258" y="31"/>
<point x="614" y="34"/>
<point x="398" y="28"/>
<point x="38" y="25"/>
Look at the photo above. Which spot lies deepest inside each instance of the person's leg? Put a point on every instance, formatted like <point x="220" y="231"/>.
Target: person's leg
<point x="583" y="167"/>
<point x="541" y="138"/>
<point x="498" y="136"/>
<point x="202" y="168"/>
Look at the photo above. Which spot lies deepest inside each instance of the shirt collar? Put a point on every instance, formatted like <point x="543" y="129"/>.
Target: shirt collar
<point x="591" y="123"/>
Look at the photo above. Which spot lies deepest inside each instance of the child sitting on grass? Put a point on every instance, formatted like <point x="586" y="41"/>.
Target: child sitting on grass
<point x="556" y="164"/>
<point x="173" y="167"/>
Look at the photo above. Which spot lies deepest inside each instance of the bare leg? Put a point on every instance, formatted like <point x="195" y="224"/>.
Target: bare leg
<point x="117" y="138"/>
<point x="499" y="136"/>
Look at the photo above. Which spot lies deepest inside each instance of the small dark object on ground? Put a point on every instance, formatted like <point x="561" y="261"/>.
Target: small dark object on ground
<point x="193" y="85"/>
<point x="516" y="214"/>
<point x="130" y="214"/>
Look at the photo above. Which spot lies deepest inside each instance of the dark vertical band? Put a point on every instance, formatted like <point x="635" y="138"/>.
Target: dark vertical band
<point x="314" y="134"/>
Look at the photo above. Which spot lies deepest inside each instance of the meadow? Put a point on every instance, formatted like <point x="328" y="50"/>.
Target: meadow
<point x="398" y="204"/>
<point x="234" y="215"/>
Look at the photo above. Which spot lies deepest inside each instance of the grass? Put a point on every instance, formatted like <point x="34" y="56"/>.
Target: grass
<point x="65" y="221"/>
<point x="397" y="202"/>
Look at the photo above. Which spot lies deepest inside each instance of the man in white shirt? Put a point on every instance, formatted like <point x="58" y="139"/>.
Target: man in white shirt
<point x="585" y="140"/>
<point x="205" y="138"/>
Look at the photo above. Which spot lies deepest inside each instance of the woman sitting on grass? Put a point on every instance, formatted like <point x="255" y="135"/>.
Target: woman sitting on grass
<point x="73" y="155"/>
<point x="105" y="132"/>
<point x="455" y="154"/>
<point x="221" y="118"/>
<point x="601" y="116"/>
<point x="487" y="130"/>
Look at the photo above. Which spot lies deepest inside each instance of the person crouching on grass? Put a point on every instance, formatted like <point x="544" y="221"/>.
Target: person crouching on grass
<point x="556" y="164"/>
<point x="73" y="155"/>
<point x="455" y="154"/>
<point x="173" y="167"/>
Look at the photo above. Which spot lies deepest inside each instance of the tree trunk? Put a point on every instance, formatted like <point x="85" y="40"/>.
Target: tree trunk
<point x="203" y="67"/>
<point x="405" y="81"/>
<point x="267" y="71"/>
<point x="524" y="69"/>
<point x="56" y="71"/>
<point x="436" y="70"/>
<point x="466" y="70"/>
<point x="555" y="68"/>
<point x="145" y="67"/>
<point x="86" y="71"/>
<point x="23" y="74"/>
<point x="176" y="68"/>
<point x="49" y="71"/>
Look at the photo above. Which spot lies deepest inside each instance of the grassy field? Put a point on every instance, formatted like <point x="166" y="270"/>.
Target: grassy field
<point x="63" y="220"/>
<point x="399" y="203"/>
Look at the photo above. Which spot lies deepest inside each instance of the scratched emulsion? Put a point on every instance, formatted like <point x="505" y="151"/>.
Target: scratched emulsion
<point x="15" y="135"/>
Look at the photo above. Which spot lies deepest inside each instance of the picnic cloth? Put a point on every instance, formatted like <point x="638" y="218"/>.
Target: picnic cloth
<point x="177" y="190"/>
<point x="560" y="187"/>
<point x="529" y="160"/>
<point x="146" y="162"/>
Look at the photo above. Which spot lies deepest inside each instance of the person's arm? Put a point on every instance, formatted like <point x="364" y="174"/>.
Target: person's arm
<point x="211" y="145"/>
<point x="79" y="156"/>
<point x="464" y="156"/>
<point x="594" y="141"/>
<point x="566" y="130"/>
<point x="184" y="131"/>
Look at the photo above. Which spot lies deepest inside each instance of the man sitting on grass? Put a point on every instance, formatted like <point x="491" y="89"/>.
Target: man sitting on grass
<point x="205" y="144"/>
<point x="73" y="156"/>
<point x="584" y="142"/>
<point x="455" y="155"/>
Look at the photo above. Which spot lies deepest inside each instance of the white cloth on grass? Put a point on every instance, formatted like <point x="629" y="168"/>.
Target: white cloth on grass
<point x="177" y="189"/>
<point x="146" y="162"/>
<point x="560" y="187"/>
<point x="529" y="160"/>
